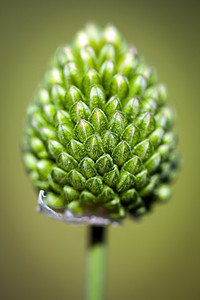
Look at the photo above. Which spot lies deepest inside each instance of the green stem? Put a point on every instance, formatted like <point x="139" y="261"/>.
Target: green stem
<point x="95" y="285"/>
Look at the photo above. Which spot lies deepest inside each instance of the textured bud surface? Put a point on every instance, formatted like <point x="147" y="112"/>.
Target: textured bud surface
<point x="99" y="133"/>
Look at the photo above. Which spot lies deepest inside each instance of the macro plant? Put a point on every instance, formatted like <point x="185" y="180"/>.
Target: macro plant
<point x="99" y="138"/>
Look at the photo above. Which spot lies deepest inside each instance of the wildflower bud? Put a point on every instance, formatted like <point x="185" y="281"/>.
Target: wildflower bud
<point x="99" y="138"/>
<point x="79" y="111"/>
<point x="98" y="120"/>
<point x="106" y="73"/>
<point x="94" y="146"/>
<point x="97" y="98"/>
<point x="90" y="78"/>
<point x="119" y="86"/>
<point x="73" y="94"/>
<point x="83" y="130"/>
<point x="121" y="153"/>
<point x="66" y="162"/>
<point x="87" y="167"/>
<point x="132" y="108"/>
<point x="104" y="164"/>
<point x="138" y="85"/>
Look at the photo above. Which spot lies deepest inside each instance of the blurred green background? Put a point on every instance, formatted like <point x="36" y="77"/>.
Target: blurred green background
<point x="157" y="258"/>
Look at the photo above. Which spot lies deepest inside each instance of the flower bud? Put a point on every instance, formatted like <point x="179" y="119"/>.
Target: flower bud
<point x="83" y="130"/>
<point x="90" y="78"/>
<point x="119" y="86"/>
<point x="79" y="111"/>
<point x="97" y="98"/>
<point x="66" y="162"/>
<point x="98" y="120"/>
<point x="121" y="153"/>
<point x="104" y="164"/>
<point x="106" y="73"/>
<point x="138" y="85"/>
<point x="94" y="147"/>
<point x="132" y="108"/>
<point x="73" y="95"/>
<point x="87" y="167"/>
<point x="99" y="136"/>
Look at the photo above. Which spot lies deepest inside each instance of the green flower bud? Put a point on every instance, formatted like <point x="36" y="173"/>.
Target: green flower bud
<point x="146" y="124"/>
<point x="94" y="185"/>
<point x="53" y="76"/>
<point x="117" y="122"/>
<point x="71" y="74"/>
<point x="57" y="95"/>
<point x="76" y="149"/>
<point x="108" y="52"/>
<point x="128" y="63"/>
<point x="148" y="72"/>
<point x="38" y="148"/>
<point x="132" y="108"/>
<point x="110" y="140"/>
<point x="70" y="194"/>
<point x="126" y="181"/>
<point x="89" y="79"/>
<point x="131" y="135"/>
<point x="42" y="97"/>
<point x="150" y="187"/>
<point x="47" y="133"/>
<point x="98" y="120"/>
<point x="62" y="117"/>
<point x="164" y="118"/>
<point x="83" y="130"/>
<point x="59" y="176"/>
<point x="79" y="111"/>
<point x="63" y="55"/>
<point x="49" y="112"/>
<point x="64" y="133"/>
<point x="44" y="168"/>
<point x="111" y="177"/>
<point x="73" y="95"/>
<point x="149" y="105"/>
<point x="106" y="195"/>
<point x="55" y="148"/>
<point x="112" y="105"/>
<point x="112" y="35"/>
<point x="121" y="153"/>
<point x="99" y="136"/>
<point x="158" y="92"/>
<point x="156" y="137"/>
<point x="76" y="180"/>
<point x="138" y="85"/>
<point x="88" y="58"/>
<point x="87" y="198"/>
<point x="75" y="207"/>
<point x="130" y="197"/>
<point x="97" y="97"/>
<point x="142" y="179"/>
<point x="54" y="201"/>
<point x="104" y="164"/>
<point x="119" y="86"/>
<point x="133" y="165"/>
<point x="106" y="73"/>
<point x="163" y="192"/>
<point x="66" y="162"/>
<point x="30" y="161"/>
<point x="87" y="167"/>
<point x="144" y="149"/>
<point x="94" y="147"/>
<point x="153" y="163"/>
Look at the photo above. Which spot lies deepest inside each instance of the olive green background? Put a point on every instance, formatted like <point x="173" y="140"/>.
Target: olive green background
<point x="157" y="258"/>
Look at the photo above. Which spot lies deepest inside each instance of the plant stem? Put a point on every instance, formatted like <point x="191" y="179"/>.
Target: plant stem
<point x="95" y="285"/>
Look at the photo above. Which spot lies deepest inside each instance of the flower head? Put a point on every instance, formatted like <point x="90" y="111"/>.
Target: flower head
<point x="99" y="133"/>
